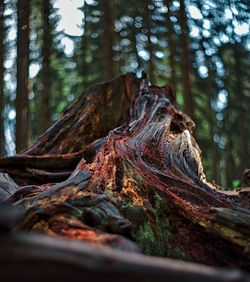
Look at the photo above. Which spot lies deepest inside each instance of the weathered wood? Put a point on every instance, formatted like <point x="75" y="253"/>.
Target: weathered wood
<point x="137" y="178"/>
<point x="7" y="187"/>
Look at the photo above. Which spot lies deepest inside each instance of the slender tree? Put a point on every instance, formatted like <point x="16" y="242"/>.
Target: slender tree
<point x="188" y="99"/>
<point x="84" y="47"/>
<point x="2" y="6"/>
<point x="107" y="39"/>
<point x="242" y="115"/>
<point x="46" y="68"/>
<point x="150" y="45"/>
<point x="22" y="101"/>
<point x="171" y="47"/>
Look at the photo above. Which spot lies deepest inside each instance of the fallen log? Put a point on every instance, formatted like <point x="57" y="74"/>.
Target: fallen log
<point x="120" y="168"/>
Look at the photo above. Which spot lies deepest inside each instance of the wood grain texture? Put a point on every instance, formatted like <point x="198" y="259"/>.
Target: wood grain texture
<point x="132" y="179"/>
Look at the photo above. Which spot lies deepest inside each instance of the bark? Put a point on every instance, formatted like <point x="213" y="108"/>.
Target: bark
<point x="171" y="45"/>
<point x="46" y="70"/>
<point x="150" y="45"/>
<point x="131" y="179"/>
<point x="22" y="101"/>
<point x="2" y="7"/>
<point x="107" y="6"/>
<point x="188" y="98"/>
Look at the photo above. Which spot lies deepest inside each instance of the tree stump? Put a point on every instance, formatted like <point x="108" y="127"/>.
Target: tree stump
<point x="121" y="169"/>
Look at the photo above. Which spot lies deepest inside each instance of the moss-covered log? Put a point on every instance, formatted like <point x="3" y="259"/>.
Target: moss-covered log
<point x="121" y="168"/>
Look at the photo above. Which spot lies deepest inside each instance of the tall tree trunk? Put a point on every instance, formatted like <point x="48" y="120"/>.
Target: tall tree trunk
<point x="188" y="98"/>
<point x="230" y="166"/>
<point x="107" y="39"/>
<point x="46" y="71"/>
<point x="150" y="45"/>
<point x="84" y="47"/>
<point x="2" y="50"/>
<point x="22" y="101"/>
<point x="211" y="123"/>
<point x="171" y="48"/>
<point x="241" y="111"/>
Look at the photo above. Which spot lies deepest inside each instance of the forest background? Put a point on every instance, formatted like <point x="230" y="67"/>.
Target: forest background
<point x="50" y="50"/>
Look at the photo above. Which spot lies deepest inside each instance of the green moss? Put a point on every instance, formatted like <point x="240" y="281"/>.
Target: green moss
<point x="76" y="213"/>
<point x="178" y="253"/>
<point x="152" y="237"/>
<point x="109" y="192"/>
<point x="145" y="238"/>
<point x="152" y="233"/>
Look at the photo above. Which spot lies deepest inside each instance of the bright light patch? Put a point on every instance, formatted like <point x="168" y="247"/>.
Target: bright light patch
<point x="144" y="54"/>
<point x="90" y="2"/>
<point x="12" y="115"/>
<point x="8" y="64"/>
<point x="241" y="29"/>
<point x="224" y="38"/>
<point x="223" y="96"/>
<point x="203" y="71"/>
<point x="235" y="11"/>
<point x="228" y="14"/>
<point x="154" y="39"/>
<point x="159" y="54"/>
<point x="68" y="46"/>
<point x="176" y="4"/>
<point x="8" y="12"/>
<point x="216" y="40"/>
<point x="33" y="70"/>
<point x="195" y="12"/>
<point x="12" y="34"/>
<point x="206" y="24"/>
<point x="71" y="16"/>
<point x="194" y="31"/>
<point x="163" y="9"/>
<point x="206" y="33"/>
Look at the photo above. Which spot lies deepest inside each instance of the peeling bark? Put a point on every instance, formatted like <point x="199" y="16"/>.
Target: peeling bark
<point x="133" y="180"/>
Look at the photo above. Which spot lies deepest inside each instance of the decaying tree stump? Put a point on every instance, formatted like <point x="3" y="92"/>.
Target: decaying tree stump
<point x="120" y="168"/>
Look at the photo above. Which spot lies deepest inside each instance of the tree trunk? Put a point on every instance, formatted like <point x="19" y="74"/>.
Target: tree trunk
<point x="121" y="169"/>
<point x="22" y="101"/>
<point x="107" y="6"/>
<point x="150" y="46"/>
<point x="2" y="143"/>
<point x="188" y="98"/>
<point x="242" y="110"/>
<point x="46" y="71"/>
<point x="171" y="48"/>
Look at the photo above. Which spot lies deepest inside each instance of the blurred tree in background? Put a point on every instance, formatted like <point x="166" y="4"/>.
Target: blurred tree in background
<point x="2" y="51"/>
<point x="200" y="47"/>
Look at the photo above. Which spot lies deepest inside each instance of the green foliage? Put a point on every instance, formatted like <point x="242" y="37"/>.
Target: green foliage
<point x="236" y="183"/>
